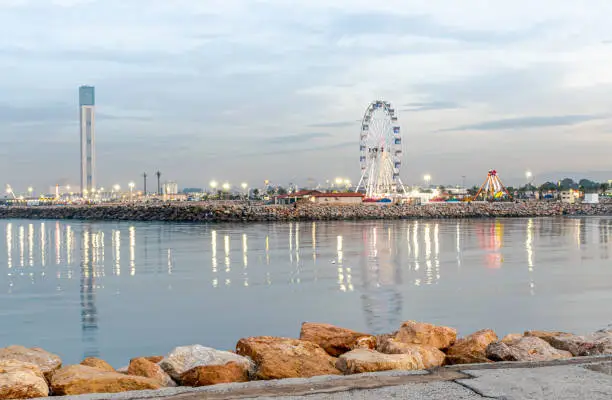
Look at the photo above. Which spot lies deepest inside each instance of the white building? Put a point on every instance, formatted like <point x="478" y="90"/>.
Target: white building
<point x="591" y="198"/>
<point x="170" y="188"/>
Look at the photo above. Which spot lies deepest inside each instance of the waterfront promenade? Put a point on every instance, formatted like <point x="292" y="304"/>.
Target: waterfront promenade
<point x="244" y="212"/>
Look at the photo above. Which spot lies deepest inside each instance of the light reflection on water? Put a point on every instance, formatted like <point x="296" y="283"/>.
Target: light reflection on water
<point x="183" y="281"/>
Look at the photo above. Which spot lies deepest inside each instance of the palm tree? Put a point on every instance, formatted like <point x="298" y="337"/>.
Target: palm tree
<point x="158" y="182"/>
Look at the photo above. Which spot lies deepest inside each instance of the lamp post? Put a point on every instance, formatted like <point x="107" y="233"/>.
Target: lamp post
<point x="226" y="187"/>
<point x="244" y="186"/>
<point x="131" y="185"/>
<point x="427" y="179"/>
<point x="30" y="190"/>
<point x="529" y="177"/>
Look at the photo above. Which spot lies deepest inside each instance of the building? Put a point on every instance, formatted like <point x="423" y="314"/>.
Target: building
<point x="336" y="198"/>
<point x="591" y="198"/>
<point x="569" y="196"/>
<point x="170" y="188"/>
<point x="87" y="105"/>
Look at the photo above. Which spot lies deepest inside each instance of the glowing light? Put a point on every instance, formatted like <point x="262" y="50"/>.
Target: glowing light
<point x="339" y="181"/>
<point x="528" y="174"/>
<point x="131" y="185"/>
<point x="30" y="189"/>
<point x="427" y="178"/>
<point x="213" y="184"/>
<point x="226" y="186"/>
<point x="244" y="185"/>
<point x="117" y="188"/>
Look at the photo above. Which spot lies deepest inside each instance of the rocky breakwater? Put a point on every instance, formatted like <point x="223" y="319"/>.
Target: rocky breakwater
<point x="243" y="212"/>
<point x="321" y="349"/>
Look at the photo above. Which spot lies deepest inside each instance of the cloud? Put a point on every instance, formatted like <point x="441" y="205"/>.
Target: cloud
<point x="339" y="124"/>
<point x="298" y="138"/>
<point x="428" y="106"/>
<point x="527" y="122"/>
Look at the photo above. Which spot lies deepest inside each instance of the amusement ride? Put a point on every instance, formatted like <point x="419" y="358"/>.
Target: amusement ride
<point x="492" y="188"/>
<point x="380" y="152"/>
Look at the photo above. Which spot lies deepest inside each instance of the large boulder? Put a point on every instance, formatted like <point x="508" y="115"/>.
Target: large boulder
<point x="147" y="369"/>
<point x="472" y="348"/>
<point x="427" y="356"/>
<point x="47" y="362"/>
<point x="214" y="374"/>
<point x="528" y="348"/>
<point x="547" y="335"/>
<point x="412" y="332"/>
<point x="278" y="358"/>
<point x="335" y="340"/>
<point x="80" y="379"/>
<point x="182" y="359"/>
<point x="97" y="363"/>
<point x="598" y="343"/>
<point x="21" y="380"/>
<point x="365" y="360"/>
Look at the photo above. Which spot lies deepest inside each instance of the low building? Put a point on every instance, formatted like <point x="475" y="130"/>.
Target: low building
<point x="569" y="196"/>
<point x="170" y="188"/>
<point x="336" y="198"/>
<point x="591" y="198"/>
<point x="291" y="198"/>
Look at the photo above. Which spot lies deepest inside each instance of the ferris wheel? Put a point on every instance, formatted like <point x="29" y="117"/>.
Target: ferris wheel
<point x="380" y="151"/>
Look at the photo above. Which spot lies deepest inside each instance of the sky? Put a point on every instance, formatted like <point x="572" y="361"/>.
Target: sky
<point x="245" y="90"/>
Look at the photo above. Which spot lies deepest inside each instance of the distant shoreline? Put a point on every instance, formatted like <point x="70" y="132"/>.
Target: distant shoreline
<point x="242" y="212"/>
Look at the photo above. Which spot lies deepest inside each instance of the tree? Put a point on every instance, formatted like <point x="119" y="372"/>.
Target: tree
<point x="256" y="193"/>
<point x="548" y="186"/>
<point x="282" y="190"/>
<point x="567" y="183"/>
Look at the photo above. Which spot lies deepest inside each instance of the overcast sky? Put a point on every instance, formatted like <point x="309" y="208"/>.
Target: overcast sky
<point x="251" y="90"/>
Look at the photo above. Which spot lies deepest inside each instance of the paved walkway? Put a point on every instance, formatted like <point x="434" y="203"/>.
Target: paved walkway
<point x="582" y="378"/>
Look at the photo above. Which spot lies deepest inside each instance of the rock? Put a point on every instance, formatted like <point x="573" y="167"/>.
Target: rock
<point x="547" y="335"/>
<point x="278" y="358"/>
<point x="595" y="344"/>
<point x="182" y="359"/>
<point x="427" y="356"/>
<point x="97" y="363"/>
<point x="47" y="362"/>
<point x="472" y="348"/>
<point x="441" y="337"/>
<point x="145" y="368"/>
<point x="21" y="380"/>
<point x="365" y="360"/>
<point x="123" y="370"/>
<point x="511" y="338"/>
<point x="335" y="340"/>
<point x="79" y="379"/>
<point x="153" y="359"/>
<point x="214" y="374"/>
<point x="528" y="348"/>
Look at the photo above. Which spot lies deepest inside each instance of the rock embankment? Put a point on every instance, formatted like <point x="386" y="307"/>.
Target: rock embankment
<point x="243" y="212"/>
<point x="322" y="349"/>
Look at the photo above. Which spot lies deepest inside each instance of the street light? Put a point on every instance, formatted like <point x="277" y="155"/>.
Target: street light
<point x="244" y="187"/>
<point x="528" y="175"/>
<point x="30" y="190"/>
<point x="226" y="186"/>
<point x="213" y="184"/>
<point x="427" y="179"/>
<point x="131" y="185"/>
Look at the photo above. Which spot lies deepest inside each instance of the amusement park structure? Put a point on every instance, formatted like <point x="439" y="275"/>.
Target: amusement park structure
<point x="492" y="188"/>
<point x="380" y="148"/>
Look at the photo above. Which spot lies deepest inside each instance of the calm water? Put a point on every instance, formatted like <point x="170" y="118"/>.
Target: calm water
<point x="118" y="290"/>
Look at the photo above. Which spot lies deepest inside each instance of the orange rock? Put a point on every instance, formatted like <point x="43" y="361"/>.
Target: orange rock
<point x="147" y="369"/>
<point x="471" y="349"/>
<point x="528" y="348"/>
<point x="47" y="362"/>
<point x="214" y="374"/>
<point x="441" y="337"/>
<point x="79" y="379"/>
<point x="97" y="363"/>
<point x="335" y="340"/>
<point x="512" y="338"/>
<point x="364" y="360"/>
<point x="278" y="358"/>
<point x="153" y="359"/>
<point x="21" y="380"/>
<point x="547" y="335"/>
<point x="427" y="356"/>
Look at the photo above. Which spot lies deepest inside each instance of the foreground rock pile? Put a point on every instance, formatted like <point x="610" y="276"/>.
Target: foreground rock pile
<point x="243" y="212"/>
<point x="322" y="349"/>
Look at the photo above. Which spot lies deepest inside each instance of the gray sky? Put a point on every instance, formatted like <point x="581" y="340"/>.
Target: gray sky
<point x="251" y="90"/>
